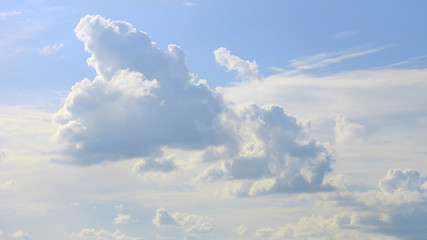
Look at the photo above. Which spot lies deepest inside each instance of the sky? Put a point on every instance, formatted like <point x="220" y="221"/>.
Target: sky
<point x="169" y="119"/>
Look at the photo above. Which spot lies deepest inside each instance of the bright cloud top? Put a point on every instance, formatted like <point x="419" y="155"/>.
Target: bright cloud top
<point x="144" y="99"/>
<point x="247" y="70"/>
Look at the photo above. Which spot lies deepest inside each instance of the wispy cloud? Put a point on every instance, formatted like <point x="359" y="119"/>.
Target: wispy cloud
<point x="328" y="58"/>
<point x="190" y="4"/>
<point x="345" y="34"/>
<point x="6" y="185"/>
<point x="412" y="62"/>
<point x="10" y="13"/>
<point x="51" y="49"/>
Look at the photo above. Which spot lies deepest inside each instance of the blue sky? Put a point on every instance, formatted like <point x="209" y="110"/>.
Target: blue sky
<point x="213" y="120"/>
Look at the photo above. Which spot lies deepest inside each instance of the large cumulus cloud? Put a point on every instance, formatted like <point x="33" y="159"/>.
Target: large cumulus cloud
<point x="144" y="99"/>
<point x="141" y="100"/>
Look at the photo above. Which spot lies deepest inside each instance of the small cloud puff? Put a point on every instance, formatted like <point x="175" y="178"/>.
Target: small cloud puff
<point x="247" y="70"/>
<point x="51" y="49"/>
<point x="397" y="180"/>
<point x="122" y="219"/>
<point x="346" y="131"/>
<point x="191" y="224"/>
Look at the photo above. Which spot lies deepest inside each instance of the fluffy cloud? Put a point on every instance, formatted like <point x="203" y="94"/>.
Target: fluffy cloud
<point x="397" y="180"/>
<point x="122" y="219"/>
<point x="104" y="235"/>
<point x="247" y="70"/>
<point x="395" y="211"/>
<point x="346" y="131"/>
<point x="273" y="155"/>
<point x="339" y="226"/>
<point x="192" y="225"/>
<point x="144" y="99"/>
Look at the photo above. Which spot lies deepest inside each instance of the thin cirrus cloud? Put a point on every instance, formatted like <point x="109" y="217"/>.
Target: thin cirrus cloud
<point x="325" y="59"/>
<point x="345" y="34"/>
<point x="10" y="13"/>
<point x="51" y="49"/>
<point x="147" y="101"/>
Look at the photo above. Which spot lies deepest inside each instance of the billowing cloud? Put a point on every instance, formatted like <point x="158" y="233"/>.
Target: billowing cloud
<point x="274" y="155"/>
<point x="190" y="224"/>
<point x="396" y="179"/>
<point x="104" y="235"/>
<point x="144" y="99"/>
<point x="247" y="70"/>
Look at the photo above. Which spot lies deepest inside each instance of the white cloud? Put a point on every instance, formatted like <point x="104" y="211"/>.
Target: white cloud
<point x="21" y="235"/>
<point x="264" y="232"/>
<point x="154" y="165"/>
<point x="104" y="235"/>
<point x="190" y="4"/>
<point x="191" y="225"/>
<point x="51" y="49"/>
<point x="119" y="207"/>
<point x="325" y="59"/>
<point x="387" y="104"/>
<point x="172" y="111"/>
<point x="241" y="231"/>
<point x="144" y="100"/>
<point x="345" y="34"/>
<point x="340" y="226"/>
<point x="122" y="219"/>
<point x="6" y="185"/>
<point x="247" y="70"/>
<point x="346" y="131"/>
<point x="74" y="204"/>
<point x="10" y="13"/>
<point x="396" y="179"/>
<point x="164" y="218"/>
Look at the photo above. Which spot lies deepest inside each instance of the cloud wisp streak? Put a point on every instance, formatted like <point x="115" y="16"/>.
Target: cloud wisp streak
<point x="328" y="58"/>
